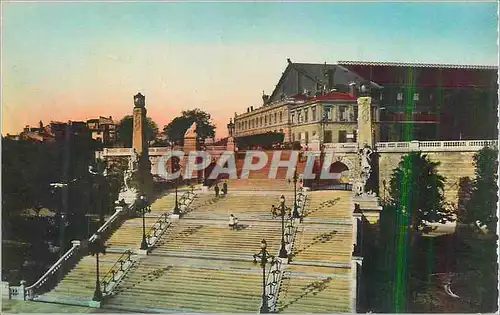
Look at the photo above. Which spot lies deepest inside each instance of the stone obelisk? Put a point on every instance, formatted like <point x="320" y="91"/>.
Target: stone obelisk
<point x="140" y="144"/>
<point x="139" y="141"/>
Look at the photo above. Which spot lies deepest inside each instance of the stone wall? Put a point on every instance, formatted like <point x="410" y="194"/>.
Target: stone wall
<point x="454" y="165"/>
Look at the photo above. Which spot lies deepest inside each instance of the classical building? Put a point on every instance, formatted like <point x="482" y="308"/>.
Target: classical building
<point x="103" y="129"/>
<point x="437" y="101"/>
<point x="309" y="101"/>
<point x="410" y="101"/>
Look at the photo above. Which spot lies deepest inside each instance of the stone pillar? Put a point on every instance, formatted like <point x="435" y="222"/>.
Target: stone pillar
<point x="365" y="128"/>
<point x="230" y="144"/>
<point x="190" y="144"/>
<point x="139" y="141"/>
<point x="140" y="145"/>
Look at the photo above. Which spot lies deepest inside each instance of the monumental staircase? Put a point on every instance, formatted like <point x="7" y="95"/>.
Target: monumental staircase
<point x="198" y="264"/>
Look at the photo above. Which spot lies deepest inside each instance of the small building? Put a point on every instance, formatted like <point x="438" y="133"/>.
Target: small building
<point x="103" y="129"/>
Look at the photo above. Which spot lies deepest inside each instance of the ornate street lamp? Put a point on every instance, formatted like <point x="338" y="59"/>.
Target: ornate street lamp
<point x="265" y="257"/>
<point x="281" y="211"/>
<point x="175" y="168"/>
<point x="143" y="208"/>
<point x="97" y="247"/>
<point x="295" y="213"/>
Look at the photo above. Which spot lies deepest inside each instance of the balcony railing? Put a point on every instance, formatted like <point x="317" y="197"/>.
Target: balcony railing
<point x="435" y="146"/>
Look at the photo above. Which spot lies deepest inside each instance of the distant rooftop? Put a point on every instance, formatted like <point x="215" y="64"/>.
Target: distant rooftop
<point x="415" y="65"/>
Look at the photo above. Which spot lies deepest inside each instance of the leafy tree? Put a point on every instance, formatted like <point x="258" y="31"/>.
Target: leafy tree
<point x="126" y="129"/>
<point x="417" y="190"/>
<point x="465" y="185"/>
<point x="176" y="129"/>
<point x="482" y="205"/>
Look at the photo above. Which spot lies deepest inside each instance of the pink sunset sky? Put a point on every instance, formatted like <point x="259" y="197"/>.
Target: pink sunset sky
<point x="76" y="61"/>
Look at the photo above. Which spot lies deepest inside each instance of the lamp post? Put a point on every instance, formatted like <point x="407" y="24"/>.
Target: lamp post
<point x="97" y="247"/>
<point x="144" y="207"/>
<point x="98" y="180"/>
<point x="280" y="211"/>
<point x="175" y="168"/>
<point x="295" y="213"/>
<point x="264" y="258"/>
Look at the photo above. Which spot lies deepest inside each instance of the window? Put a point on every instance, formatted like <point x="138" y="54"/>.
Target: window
<point x="342" y="113"/>
<point x="313" y="109"/>
<point x="265" y="120"/>
<point x="355" y="113"/>
<point x="327" y="136"/>
<point x="342" y="136"/>
<point x="416" y="96"/>
<point x="293" y="118"/>
<point x="327" y="113"/>
<point x="399" y="97"/>
<point x="275" y="117"/>
<point x="281" y="116"/>
<point x="299" y="116"/>
<point x="261" y="121"/>
<point x="307" y="137"/>
<point x="306" y="114"/>
<point x="381" y="96"/>
<point x="314" y="133"/>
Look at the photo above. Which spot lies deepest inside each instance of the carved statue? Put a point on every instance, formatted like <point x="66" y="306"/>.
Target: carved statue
<point x="132" y="167"/>
<point x="366" y="169"/>
<point x="191" y="132"/>
<point x="366" y="153"/>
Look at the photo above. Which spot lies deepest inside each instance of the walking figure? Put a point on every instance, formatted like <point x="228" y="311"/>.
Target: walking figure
<point x="224" y="188"/>
<point x="231" y="221"/>
<point x="235" y="226"/>
<point x="216" y="188"/>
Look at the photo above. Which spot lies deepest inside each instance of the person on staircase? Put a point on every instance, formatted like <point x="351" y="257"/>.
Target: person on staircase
<point x="216" y="189"/>
<point x="231" y="221"/>
<point x="224" y="188"/>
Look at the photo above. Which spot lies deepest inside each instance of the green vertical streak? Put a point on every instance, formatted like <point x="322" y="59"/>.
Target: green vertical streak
<point x="404" y="208"/>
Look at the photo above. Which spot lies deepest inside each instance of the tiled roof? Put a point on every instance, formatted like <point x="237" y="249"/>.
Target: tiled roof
<point x="415" y="65"/>
<point x="335" y="95"/>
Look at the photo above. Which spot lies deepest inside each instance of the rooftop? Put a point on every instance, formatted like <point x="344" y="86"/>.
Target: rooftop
<point x="415" y="65"/>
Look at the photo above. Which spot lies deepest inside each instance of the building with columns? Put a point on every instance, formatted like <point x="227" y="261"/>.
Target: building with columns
<point x="438" y="102"/>
<point x="309" y="101"/>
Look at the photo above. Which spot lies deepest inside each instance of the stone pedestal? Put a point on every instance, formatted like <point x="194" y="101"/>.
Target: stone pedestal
<point x="142" y="252"/>
<point x="95" y="304"/>
<point x="174" y="217"/>
<point x="230" y="144"/>
<point x="129" y="196"/>
<point x="369" y="206"/>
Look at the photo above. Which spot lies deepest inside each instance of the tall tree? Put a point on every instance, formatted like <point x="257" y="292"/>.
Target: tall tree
<point x="482" y="206"/>
<point x="176" y="129"/>
<point x="417" y="189"/>
<point x="125" y="130"/>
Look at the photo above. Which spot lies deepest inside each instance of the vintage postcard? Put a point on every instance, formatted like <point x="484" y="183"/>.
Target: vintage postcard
<point x="249" y="157"/>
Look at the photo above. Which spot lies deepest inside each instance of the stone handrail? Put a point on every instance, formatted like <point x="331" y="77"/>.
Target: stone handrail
<point x="129" y="151"/>
<point x="116" y="273"/>
<point x="30" y="291"/>
<point x="435" y="146"/>
<point x="105" y="227"/>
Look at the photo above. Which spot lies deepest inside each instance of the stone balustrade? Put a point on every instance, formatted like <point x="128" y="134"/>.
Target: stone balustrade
<point x="435" y="146"/>
<point x="29" y="292"/>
